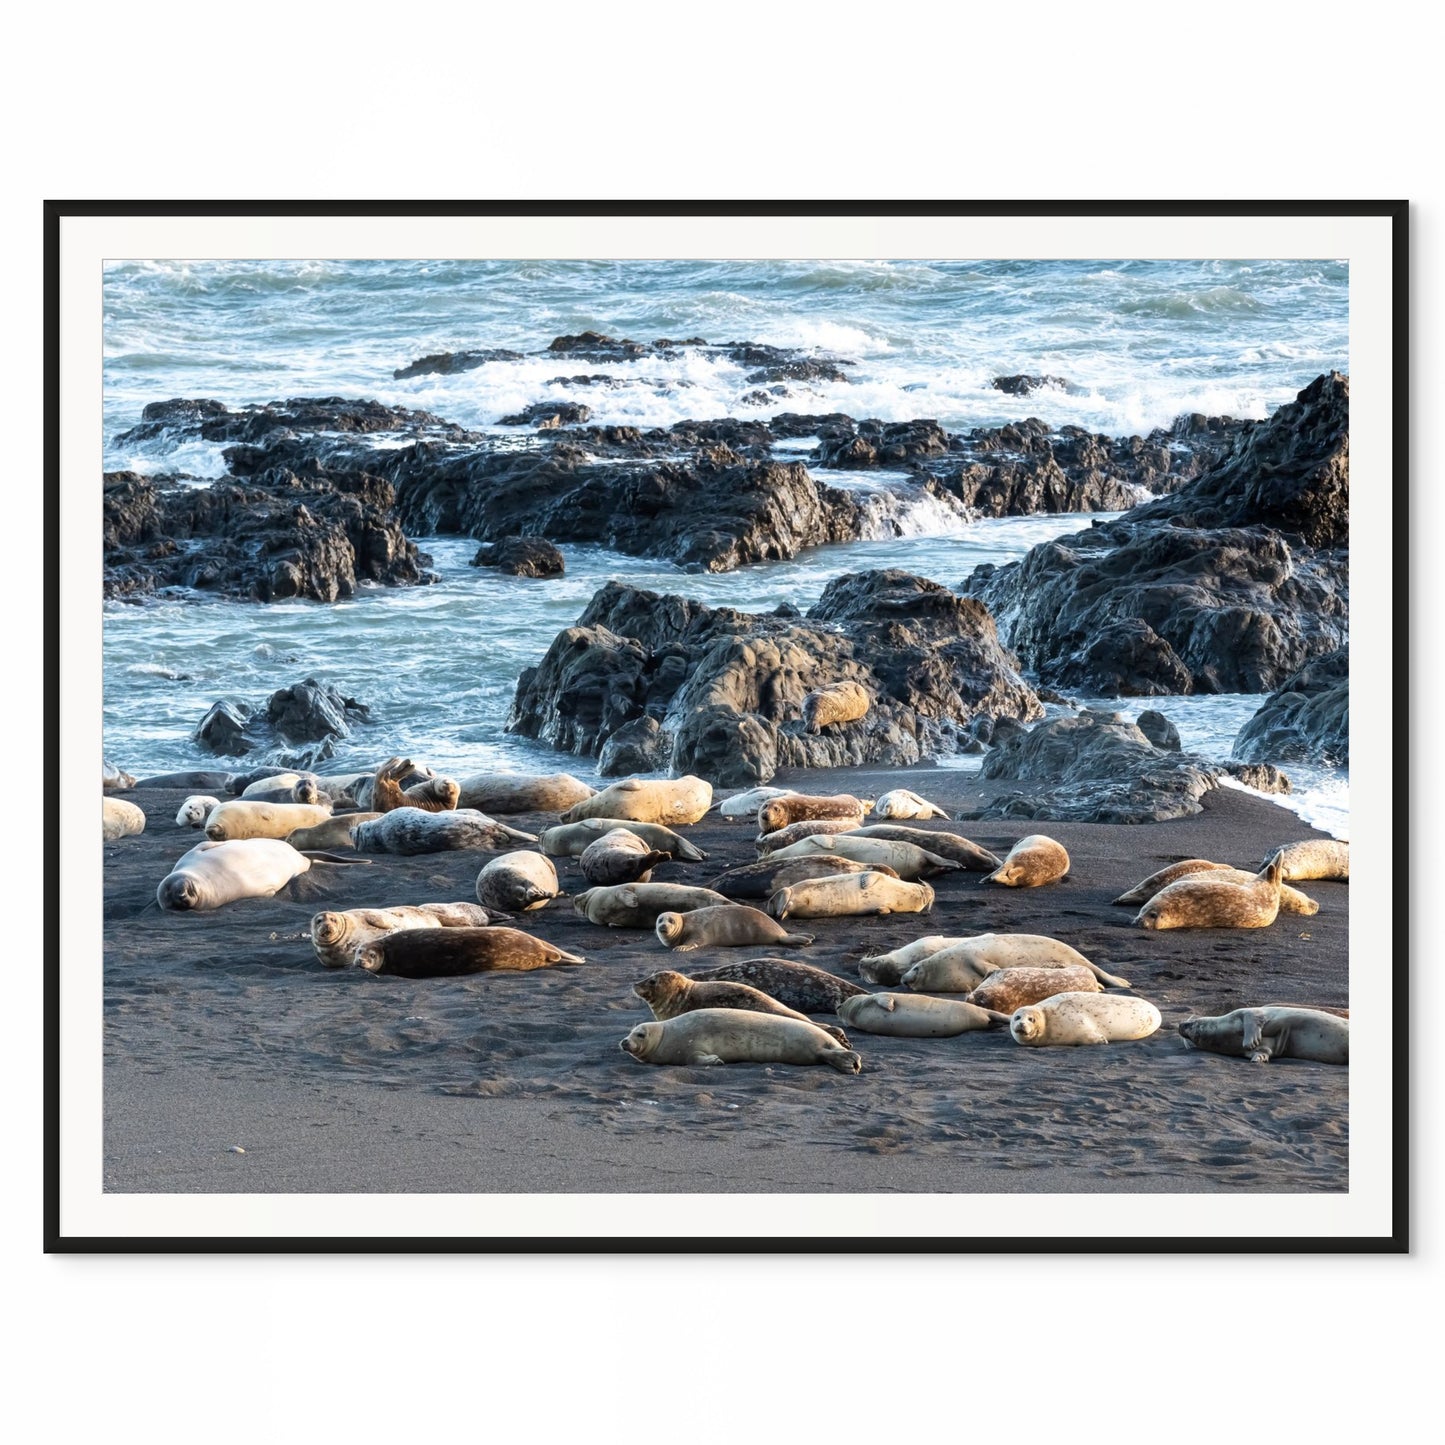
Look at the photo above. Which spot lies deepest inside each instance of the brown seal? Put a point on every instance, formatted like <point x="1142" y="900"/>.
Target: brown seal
<point x="337" y="935"/>
<point x="728" y="925"/>
<point x="1007" y="989"/>
<point x="336" y="832"/>
<point x="1291" y="900"/>
<point x="1203" y="901"/>
<point x="838" y="702"/>
<point x="769" y="843"/>
<point x="436" y="795"/>
<point x="779" y="813"/>
<point x="619" y="857"/>
<point x="386" y="786"/>
<point x="452" y="952"/>
<point x="1273" y="1031"/>
<point x="1321" y="858"/>
<point x="668" y="994"/>
<point x="798" y="985"/>
<point x="953" y="846"/>
<point x="735" y="1036"/>
<point x="762" y="880"/>
<point x="1032" y="862"/>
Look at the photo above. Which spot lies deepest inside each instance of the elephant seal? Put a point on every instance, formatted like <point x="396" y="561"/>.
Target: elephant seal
<point x="963" y="965"/>
<point x="455" y="952"/>
<point x="1320" y="858"/>
<point x="506" y="793"/>
<point x="1084" y="1018"/>
<point x="214" y="874"/>
<point x="336" y="936"/>
<point x="1291" y="900"/>
<point x="619" y="857"/>
<point x="799" y="985"/>
<point x="907" y="860"/>
<point x="1201" y="900"/>
<point x="906" y="1016"/>
<point x="195" y="780"/>
<point x="667" y="800"/>
<point x="838" y="702"/>
<point x="409" y="831"/>
<point x="852" y="895"/>
<point x="517" y="882"/>
<point x="114" y="779"/>
<point x="742" y="806"/>
<point x="737" y="1036"/>
<point x="769" y="843"/>
<point x="120" y="819"/>
<point x="1009" y="989"/>
<point x="640" y="905"/>
<point x="1032" y="862"/>
<point x="723" y="925"/>
<point x="779" y="813"/>
<point x="195" y="810"/>
<point x="668" y="994"/>
<point x="889" y="968"/>
<point x="571" y="840"/>
<point x="953" y="846"/>
<point x="900" y="803"/>
<point x="1272" y="1031"/>
<point x="338" y="831"/>
<point x="762" y="880"/>
<point x="241" y="818"/>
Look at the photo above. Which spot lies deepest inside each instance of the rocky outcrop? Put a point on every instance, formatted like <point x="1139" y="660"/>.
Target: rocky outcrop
<point x="211" y="421"/>
<point x="1307" y="720"/>
<point x="1022" y="384"/>
<point x="522" y="557"/>
<point x="549" y="415"/>
<point x="449" y="363"/>
<point x="1200" y="590"/>
<point x="723" y="690"/>
<point x="306" y="713"/>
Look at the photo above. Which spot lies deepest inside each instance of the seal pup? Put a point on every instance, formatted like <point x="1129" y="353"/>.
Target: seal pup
<point x="1032" y="862"/>
<point x="455" y="952"/>
<point x="837" y="702"/>
<point x="338" y="831"/>
<point x="907" y="860"/>
<point x="571" y="840"/>
<point x="409" y="831"/>
<point x="640" y="905"/>
<point x="664" y="800"/>
<point x="242" y="818"/>
<point x="907" y="1016"/>
<point x="195" y="810"/>
<point x="1204" y="901"/>
<point x="799" y="985"/>
<point x="1291" y="900"/>
<point x="1272" y="1031"/>
<point x="214" y="874"/>
<point x="779" y="813"/>
<point x="737" y="1036"/>
<point x="769" y="843"/>
<point x="762" y="880"/>
<point x="335" y="936"/>
<point x="506" y="793"/>
<point x="1084" y="1018"/>
<point x="852" y="895"/>
<point x="889" y="968"/>
<point x="1320" y="858"/>
<point x="900" y="803"/>
<point x="963" y="965"/>
<point x="723" y="925"/>
<point x="517" y="882"/>
<point x="953" y="846"/>
<point x="120" y="819"/>
<point x="620" y="857"/>
<point x="114" y="779"/>
<point x="1008" y="989"/>
<point x="743" y="806"/>
<point x="668" y="994"/>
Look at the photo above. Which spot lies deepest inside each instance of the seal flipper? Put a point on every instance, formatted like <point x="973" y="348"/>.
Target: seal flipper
<point x="846" y="1061"/>
<point x="1253" y="1035"/>
<point x="316" y="857"/>
<point x="997" y="1020"/>
<point x="1112" y="980"/>
<point x="797" y="940"/>
<point x="707" y="1059"/>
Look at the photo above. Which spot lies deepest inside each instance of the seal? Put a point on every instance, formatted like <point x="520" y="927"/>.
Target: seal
<point x="338" y="831"/>
<point x="114" y="779"/>
<point x="1084" y="1018"/>
<point x="851" y="895"/>
<point x="965" y="964"/>
<point x="838" y="702"/>
<point x="742" y="807"/>
<point x="120" y="819"/>
<point x="408" y="831"/>
<point x="436" y="795"/>
<point x="1032" y="862"/>
<point x="571" y="840"/>
<point x="389" y="791"/>
<point x="665" y="800"/>
<point x="798" y="985"/>
<point x="194" y="781"/>
<point x="242" y="818"/>
<point x="1322" y="858"/>
<point x="769" y="843"/>
<point x="947" y="845"/>
<point x="301" y="791"/>
<point x="454" y="952"/>
<point x="736" y="1036"/>
<point x="341" y="787"/>
<point x="907" y="860"/>
<point x="517" y="882"/>
<point x="723" y="925"/>
<point x="669" y="994"/>
<point x="1143" y="892"/>
<point x="906" y="1016"/>
<point x="1204" y="901"/>
<point x="267" y="777"/>
<point x="889" y="968"/>
<point x="507" y="793"/>
<point x="1008" y="989"/>
<point x="620" y="857"/>
<point x="1272" y="1031"/>
<point x="1291" y="900"/>
<point x="900" y="803"/>
<point x="337" y="935"/>
<point x="275" y="787"/>
<point x="389" y="782"/>
<point x="214" y="874"/>
<point x="762" y="880"/>
<point x="779" y="813"/>
<point x="195" y="810"/>
<point x="640" y="905"/>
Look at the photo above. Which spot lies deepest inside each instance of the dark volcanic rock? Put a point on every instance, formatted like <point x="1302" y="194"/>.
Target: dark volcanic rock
<point x="810" y="370"/>
<point x="594" y="346"/>
<point x="223" y="729"/>
<point x="448" y="363"/>
<point x="306" y="712"/>
<point x="727" y="687"/>
<point x="1025" y="385"/>
<point x="883" y="444"/>
<point x="641" y="746"/>
<point x="1159" y="730"/>
<point x="309" y="711"/>
<point x="1308" y="719"/>
<point x="549" y="415"/>
<point x="522" y="557"/>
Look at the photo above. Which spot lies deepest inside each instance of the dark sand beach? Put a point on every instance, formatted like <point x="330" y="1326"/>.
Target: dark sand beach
<point x="222" y="1030"/>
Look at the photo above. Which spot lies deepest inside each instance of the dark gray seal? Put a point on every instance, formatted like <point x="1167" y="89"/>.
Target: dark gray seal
<point x="798" y="985"/>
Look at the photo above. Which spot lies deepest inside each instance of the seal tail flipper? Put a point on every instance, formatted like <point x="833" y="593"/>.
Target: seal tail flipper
<point x="317" y="857"/>
<point x="1129" y="899"/>
<point x="515" y="834"/>
<point x="1110" y="979"/>
<point x="797" y="940"/>
<point x="846" y="1061"/>
<point x="564" y="957"/>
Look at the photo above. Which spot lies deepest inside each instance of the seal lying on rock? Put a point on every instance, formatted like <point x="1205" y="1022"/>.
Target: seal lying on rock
<point x="1084" y="1018"/>
<point x="619" y="857"/>
<point x="1201" y="900"/>
<point x="667" y="800"/>
<point x="454" y="952"/>
<point x="195" y="810"/>
<point x="409" y="831"/>
<point x="762" y="880"/>
<point x="900" y="803"/>
<point x="907" y="1016"/>
<point x="733" y="1036"/>
<point x="1272" y="1031"/>
<point x="240" y="818"/>
<point x="839" y="702"/>
<point x="640" y="905"/>
<point x="725" y="925"/>
<point x="214" y="874"/>
<point x="779" y="813"/>
<point x="120" y="819"/>
<point x="963" y="965"/>
<point x="337" y="935"/>
<point x="1323" y="858"/>
<point x="571" y="840"/>
<point x="799" y="985"/>
<point x="852" y="894"/>
<point x="1009" y="989"/>
<point x="1291" y="900"/>
<point x="517" y="882"/>
<point x="669" y="994"/>
<point x="504" y="793"/>
<point x="906" y="859"/>
<point x="1032" y="862"/>
<point x="953" y="846"/>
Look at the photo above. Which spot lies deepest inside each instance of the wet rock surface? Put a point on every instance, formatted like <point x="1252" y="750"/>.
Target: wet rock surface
<point x="297" y="726"/>
<point x="522" y="557"/>
<point x="1308" y="719"/>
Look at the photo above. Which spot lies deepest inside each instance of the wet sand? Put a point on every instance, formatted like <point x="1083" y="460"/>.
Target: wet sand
<point x="222" y="1029"/>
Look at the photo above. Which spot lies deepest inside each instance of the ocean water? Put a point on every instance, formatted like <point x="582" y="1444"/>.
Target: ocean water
<point x="1139" y="341"/>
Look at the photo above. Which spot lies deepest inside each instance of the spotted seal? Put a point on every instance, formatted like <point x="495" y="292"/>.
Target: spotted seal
<point x="619" y="857"/>
<point x="114" y="779"/>
<point x="733" y="1036"/>
<point x="965" y="964"/>
<point x="214" y="874"/>
<point x="769" y="843"/>
<point x="335" y="936"/>
<point x="409" y="831"/>
<point x="242" y="818"/>
<point x="1031" y="863"/>
<point x="907" y="1016"/>
<point x="668" y="993"/>
<point x="723" y="925"/>
<point x="1272" y="1031"/>
<point x="762" y="880"/>
<point x="953" y="846"/>
<point x="120" y="819"/>
<point x="851" y="895"/>
<point x="779" y="813"/>
<point x="889" y="968"/>
<point x="1319" y="858"/>
<point x="1084" y="1018"/>
<point x="195" y="810"/>
<point x="1291" y="900"/>
<point x="338" y="831"/>
<point x="907" y="860"/>
<point x="517" y="882"/>
<point x="571" y="840"/>
<point x="798" y="985"/>
<point x="506" y="793"/>
<point x="900" y="803"/>
<point x="742" y="807"/>
<point x="455" y="952"/>
<point x="647" y="800"/>
<point x="1204" y="901"/>
<point x="1008" y="989"/>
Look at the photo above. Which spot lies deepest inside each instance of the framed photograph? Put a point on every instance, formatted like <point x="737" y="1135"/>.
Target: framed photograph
<point x="636" y="726"/>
